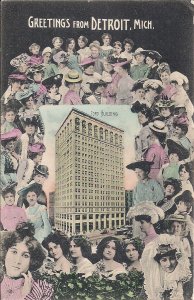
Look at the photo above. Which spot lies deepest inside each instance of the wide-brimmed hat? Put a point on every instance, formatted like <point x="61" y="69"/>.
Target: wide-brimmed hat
<point x="175" y="147"/>
<point x="121" y="63"/>
<point x="152" y="54"/>
<point x="137" y="85"/>
<point x="13" y="134"/>
<point x="153" y="84"/>
<point x="23" y="95"/>
<point x="18" y="76"/>
<point x="146" y="208"/>
<point x="95" y="44"/>
<point x="178" y="218"/>
<point x="29" y="120"/>
<point x="87" y="62"/>
<point x="158" y="126"/>
<point x="167" y="103"/>
<point x="36" y="187"/>
<point x="179" y="78"/>
<point x="164" y="250"/>
<point x="138" y="51"/>
<point x="185" y="197"/>
<point x="7" y="188"/>
<point x="37" y="148"/>
<point x="46" y="50"/>
<point x="73" y="76"/>
<point x="42" y="169"/>
<point x="20" y="59"/>
<point x="60" y="57"/>
<point x="95" y="85"/>
<point x="56" y="79"/>
<point x="142" y="164"/>
<point x="35" y="68"/>
<point x="173" y="182"/>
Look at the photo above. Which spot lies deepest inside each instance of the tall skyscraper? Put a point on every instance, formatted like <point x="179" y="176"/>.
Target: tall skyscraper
<point x="90" y="191"/>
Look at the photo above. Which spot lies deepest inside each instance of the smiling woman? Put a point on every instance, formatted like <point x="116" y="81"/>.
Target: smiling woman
<point x="22" y="254"/>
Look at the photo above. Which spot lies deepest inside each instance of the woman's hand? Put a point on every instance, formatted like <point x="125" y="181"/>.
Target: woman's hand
<point x="27" y="284"/>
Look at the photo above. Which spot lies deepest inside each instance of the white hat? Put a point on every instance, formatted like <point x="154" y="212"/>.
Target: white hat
<point x="146" y="208"/>
<point x="47" y="50"/>
<point x="179" y="78"/>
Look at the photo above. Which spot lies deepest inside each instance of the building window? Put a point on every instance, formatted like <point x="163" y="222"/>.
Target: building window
<point x="84" y="127"/>
<point x="90" y="129"/>
<point x="96" y="131"/>
<point x="101" y="133"/>
<point x="77" y="124"/>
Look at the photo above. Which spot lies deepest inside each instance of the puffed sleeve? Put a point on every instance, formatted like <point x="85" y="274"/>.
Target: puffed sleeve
<point x="41" y="290"/>
<point x="158" y="191"/>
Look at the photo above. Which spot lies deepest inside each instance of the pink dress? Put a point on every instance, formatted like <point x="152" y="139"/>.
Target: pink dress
<point x="156" y="154"/>
<point x="11" y="216"/>
<point x="72" y="98"/>
<point x="11" y="290"/>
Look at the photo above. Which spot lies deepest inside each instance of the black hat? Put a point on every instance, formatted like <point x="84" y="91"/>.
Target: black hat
<point x="94" y="85"/>
<point x="186" y="197"/>
<point x="42" y="169"/>
<point x="142" y="164"/>
<point x="152" y="54"/>
<point x="163" y="251"/>
<point x="175" y="183"/>
<point x="36" y="187"/>
<point x="137" y="85"/>
<point x="174" y="147"/>
<point x="56" y="79"/>
<point x="29" y="121"/>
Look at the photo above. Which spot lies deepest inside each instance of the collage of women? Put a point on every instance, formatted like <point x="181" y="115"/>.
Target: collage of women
<point x="97" y="150"/>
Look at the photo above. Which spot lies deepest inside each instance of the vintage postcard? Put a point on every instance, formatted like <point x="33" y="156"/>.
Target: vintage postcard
<point x="97" y="150"/>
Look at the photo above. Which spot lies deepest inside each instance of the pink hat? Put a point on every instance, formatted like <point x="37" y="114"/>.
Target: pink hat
<point x="17" y="76"/>
<point x="120" y="64"/>
<point x="37" y="148"/>
<point x="10" y="135"/>
<point x="87" y="61"/>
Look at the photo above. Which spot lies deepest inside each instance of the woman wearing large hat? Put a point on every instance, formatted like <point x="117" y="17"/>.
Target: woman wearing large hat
<point x="52" y="84"/>
<point x="152" y="58"/>
<point x="147" y="189"/>
<point x="50" y="68"/>
<point x="73" y="81"/>
<point x="156" y="152"/>
<point x="9" y="158"/>
<point x="139" y="69"/>
<point x="166" y="269"/>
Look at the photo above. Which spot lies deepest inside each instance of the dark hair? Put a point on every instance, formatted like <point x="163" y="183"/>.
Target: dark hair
<point x="8" y="109"/>
<point x="5" y="142"/>
<point x="140" y="218"/>
<point x="24" y="233"/>
<point x="68" y="41"/>
<point x="57" y="38"/>
<point x="175" y="183"/>
<point x="104" y="242"/>
<point x="171" y="253"/>
<point x="58" y="240"/>
<point x="8" y="190"/>
<point x="185" y="197"/>
<point x="82" y="242"/>
<point x="183" y="127"/>
<point x="138" y="245"/>
<point x="186" y="167"/>
<point x="118" y="44"/>
<point x="128" y="41"/>
<point x="33" y="155"/>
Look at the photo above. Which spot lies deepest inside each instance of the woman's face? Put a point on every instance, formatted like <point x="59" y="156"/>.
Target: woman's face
<point x="75" y="87"/>
<point x="37" y="76"/>
<point x="30" y="129"/>
<point x="176" y="228"/>
<point x="106" y="40"/>
<point x="140" y="93"/>
<point x="117" y="49"/>
<point x="30" y="103"/>
<point x="173" y="158"/>
<point x="32" y="198"/>
<point x="23" y="67"/>
<point x="145" y="226"/>
<point x="38" y="178"/>
<point x="132" y="253"/>
<point x="57" y="44"/>
<point x="10" y="116"/>
<point x="10" y="146"/>
<point x="178" y="132"/>
<point x="16" y="86"/>
<point x="47" y="57"/>
<point x="168" y="263"/>
<point x="109" y="251"/>
<point x="169" y="190"/>
<point x="71" y="45"/>
<point x="141" y="174"/>
<point x="81" y="43"/>
<point x="165" y="112"/>
<point x="184" y="175"/>
<point x="55" y="250"/>
<point x="89" y="70"/>
<point x="94" y="52"/>
<point x="35" y="50"/>
<point x="75" y="250"/>
<point x="151" y="93"/>
<point x="107" y="67"/>
<point x="54" y="89"/>
<point x="149" y="61"/>
<point x="37" y="160"/>
<point x="139" y="58"/>
<point x="142" y="118"/>
<point x="128" y="47"/>
<point x="9" y="199"/>
<point x="17" y="260"/>
<point x="181" y="207"/>
<point x="165" y="77"/>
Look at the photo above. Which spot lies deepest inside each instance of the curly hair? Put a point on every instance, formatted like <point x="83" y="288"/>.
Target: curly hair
<point x="106" y="34"/>
<point x="175" y="183"/>
<point x="104" y="242"/>
<point x="24" y="234"/>
<point x="58" y="240"/>
<point x="128" y="41"/>
<point x="138" y="245"/>
<point x="82" y="242"/>
<point x="83" y="39"/>
<point x="186" y="167"/>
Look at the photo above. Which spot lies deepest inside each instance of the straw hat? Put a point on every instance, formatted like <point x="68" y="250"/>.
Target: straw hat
<point x="73" y="76"/>
<point x="158" y="126"/>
